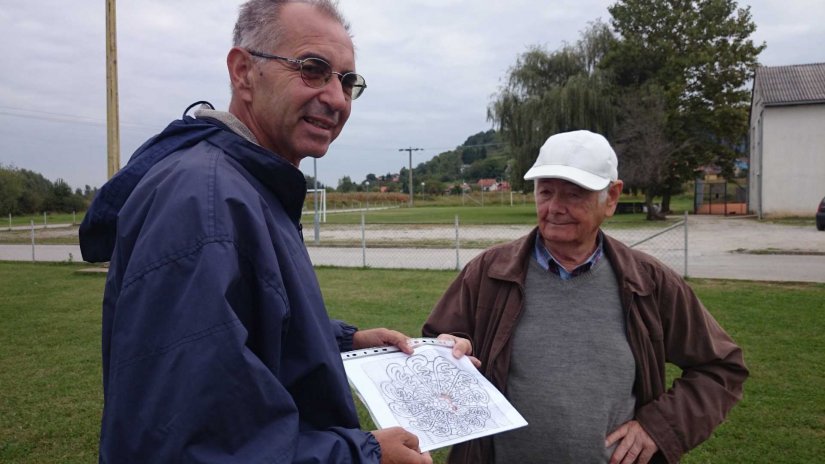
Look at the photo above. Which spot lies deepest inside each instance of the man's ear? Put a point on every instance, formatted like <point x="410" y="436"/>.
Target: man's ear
<point x="241" y="73"/>
<point x="613" y="194"/>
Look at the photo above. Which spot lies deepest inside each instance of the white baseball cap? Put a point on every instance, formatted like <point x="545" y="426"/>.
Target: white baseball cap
<point x="582" y="157"/>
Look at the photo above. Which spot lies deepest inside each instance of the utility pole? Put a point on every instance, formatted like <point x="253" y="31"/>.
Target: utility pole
<point x="410" y="150"/>
<point x="112" y="119"/>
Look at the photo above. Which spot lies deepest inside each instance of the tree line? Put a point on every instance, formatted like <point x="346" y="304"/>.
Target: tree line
<point x="25" y="192"/>
<point x="664" y="82"/>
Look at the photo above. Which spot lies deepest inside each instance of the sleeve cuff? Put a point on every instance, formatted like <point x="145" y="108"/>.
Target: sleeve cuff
<point x="373" y="444"/>
<point x="344" y="333"/>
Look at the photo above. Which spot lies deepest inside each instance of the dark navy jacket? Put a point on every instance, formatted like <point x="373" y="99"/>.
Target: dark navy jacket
<point x="216" y="343"/>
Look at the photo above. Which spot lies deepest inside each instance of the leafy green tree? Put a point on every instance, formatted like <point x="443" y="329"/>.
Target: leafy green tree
<point x="27" y="192"/>
<point x="489" y="168"/>
<point x="311" y="182"/>
<point x="700" y="54"/>
<point x="471" y="155"/>
<point x="547" y="93"/>
<point x="479" y="146"/>
<point x="487" y="138"/>
<point x="432" y="187"/>
<point x="62" y="199"/>
<point x="36" y="191"/>
<point x="646" y="153"/>
<point x="345" y="184"/>
<point x="11" y="189"/>
<point x="443" y="167"/>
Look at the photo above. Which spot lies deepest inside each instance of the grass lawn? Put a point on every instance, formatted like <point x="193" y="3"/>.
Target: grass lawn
<point x="50" y="394"/>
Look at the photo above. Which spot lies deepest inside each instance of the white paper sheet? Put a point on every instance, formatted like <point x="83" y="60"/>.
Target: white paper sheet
<point x="441" y="399"/>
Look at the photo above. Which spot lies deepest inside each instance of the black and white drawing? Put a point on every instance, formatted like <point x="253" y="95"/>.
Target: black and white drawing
<point x="441" y="399"/>
<point x="436" y="397"/>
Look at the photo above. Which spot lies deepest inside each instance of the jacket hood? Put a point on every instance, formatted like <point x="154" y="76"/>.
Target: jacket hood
<point x="99" y="228"/>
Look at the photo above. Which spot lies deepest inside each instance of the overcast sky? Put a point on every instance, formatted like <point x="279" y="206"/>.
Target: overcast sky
<point x="432" y="67"/>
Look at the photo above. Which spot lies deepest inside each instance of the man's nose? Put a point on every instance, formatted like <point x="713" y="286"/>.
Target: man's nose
<point x="333" y="94"/>
<point x="554" y="204"/>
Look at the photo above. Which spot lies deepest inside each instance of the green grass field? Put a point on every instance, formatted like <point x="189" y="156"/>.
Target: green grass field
<point x="50" y="388"/>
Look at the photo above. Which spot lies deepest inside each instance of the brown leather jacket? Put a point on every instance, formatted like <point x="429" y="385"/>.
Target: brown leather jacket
<point x="665" y="321"/>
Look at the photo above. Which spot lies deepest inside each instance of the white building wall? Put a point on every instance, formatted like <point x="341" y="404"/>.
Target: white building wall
<point x="793" y="159"/>
<point x="755" y="160"/>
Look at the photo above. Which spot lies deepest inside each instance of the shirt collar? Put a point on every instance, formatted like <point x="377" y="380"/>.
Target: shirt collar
<point x="549" y="263"/>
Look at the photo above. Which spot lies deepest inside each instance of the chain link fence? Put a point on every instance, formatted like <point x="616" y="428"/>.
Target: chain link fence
<point x="451" y="246"/>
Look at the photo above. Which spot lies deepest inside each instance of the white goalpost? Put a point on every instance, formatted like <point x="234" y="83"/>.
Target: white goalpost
<point x="322" y="202"/>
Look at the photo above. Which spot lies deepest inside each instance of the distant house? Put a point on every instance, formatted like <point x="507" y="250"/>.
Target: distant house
<point x="486" y="184"/>
<point x="787" y="140"/>
<point x="492" y="185"/>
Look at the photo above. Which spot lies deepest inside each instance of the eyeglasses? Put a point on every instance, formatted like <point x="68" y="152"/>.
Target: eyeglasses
<point x="316" y="72"/>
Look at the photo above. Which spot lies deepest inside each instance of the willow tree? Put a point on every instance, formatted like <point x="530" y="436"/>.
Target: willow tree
<point x="551" y="92"/>
<point x="700" y="54"/>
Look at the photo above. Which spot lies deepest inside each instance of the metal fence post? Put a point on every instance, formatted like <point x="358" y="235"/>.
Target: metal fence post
<point x="686" y="244"/>
<point x="74" y="217"/>
<point x="9" y="221"/>
<point x="44" y="220"/>
<point x="457" y="258"/>
<point x="363" y="242"/>
<point x="32" y="226"/>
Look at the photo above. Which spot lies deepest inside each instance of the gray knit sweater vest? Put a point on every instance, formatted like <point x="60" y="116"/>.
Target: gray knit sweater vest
<point x="571" y="372"/>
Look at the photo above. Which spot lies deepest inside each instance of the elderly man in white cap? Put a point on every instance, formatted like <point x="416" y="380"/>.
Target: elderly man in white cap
<point x="576" y="328"/>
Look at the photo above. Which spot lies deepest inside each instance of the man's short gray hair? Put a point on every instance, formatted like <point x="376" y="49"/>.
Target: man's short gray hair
<point x="259" y="21"/>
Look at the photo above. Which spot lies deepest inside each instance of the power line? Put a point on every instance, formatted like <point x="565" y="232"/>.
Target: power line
<point x="61" y="117"/>
<point x="47" y="116"/>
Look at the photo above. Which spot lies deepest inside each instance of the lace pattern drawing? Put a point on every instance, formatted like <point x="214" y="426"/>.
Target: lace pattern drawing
<point x="434" y="396"/>
<point x="441" y="399"/>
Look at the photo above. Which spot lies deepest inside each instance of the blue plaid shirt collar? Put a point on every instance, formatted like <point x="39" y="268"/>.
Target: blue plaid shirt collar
<point x="546" y="260"/>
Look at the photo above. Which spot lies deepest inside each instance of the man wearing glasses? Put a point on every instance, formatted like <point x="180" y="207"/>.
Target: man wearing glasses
<point x="216" y="343"/>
